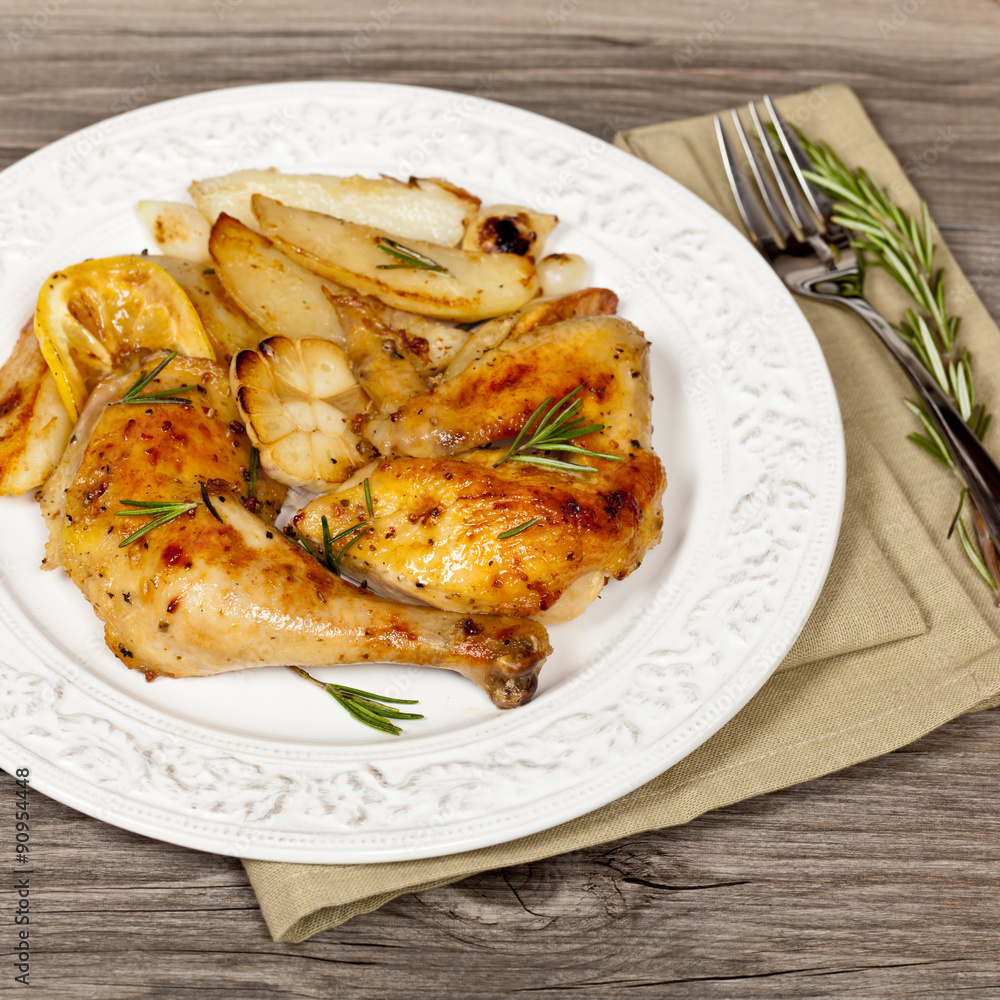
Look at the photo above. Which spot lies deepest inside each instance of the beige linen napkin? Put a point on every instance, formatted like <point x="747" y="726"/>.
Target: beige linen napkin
<point x="904" y="636"/>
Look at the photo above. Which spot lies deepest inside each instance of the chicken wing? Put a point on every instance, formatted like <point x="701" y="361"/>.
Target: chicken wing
<point x="494" y="396"/>
<point x="217" y="588"/>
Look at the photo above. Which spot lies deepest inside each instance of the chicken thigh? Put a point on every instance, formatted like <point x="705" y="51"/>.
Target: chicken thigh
<point x="447" y="519"/>
<point x="218" y="588"/>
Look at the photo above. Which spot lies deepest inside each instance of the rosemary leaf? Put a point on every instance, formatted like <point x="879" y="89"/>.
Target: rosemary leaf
<point x="521" y="527"/>
<point x="380" y="697"/>
<point x="327" y="542"/>
<point x="368" y="500"/>
<point x="921" y="442"/>
<point x="550" y="463"/>
<point x="304" y="542"/>
<point x="974" y="557"/>
<point x="556" y="428"/>
<point x="134" y="394"/>
<point x="162" y="512"/>
<point x="373" y="710"/>
<point x="984" y="424"/>
<point x="958" y="511"/>
<point x="410" y="258"/>
<point x="340" y="555"/>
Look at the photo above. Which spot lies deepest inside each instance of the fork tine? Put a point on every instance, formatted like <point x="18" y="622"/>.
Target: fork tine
<point x="754" y="219"/>
<point x="778" y="218"/>
<point x="797" y="208"/>
<point x="819" y="200"/>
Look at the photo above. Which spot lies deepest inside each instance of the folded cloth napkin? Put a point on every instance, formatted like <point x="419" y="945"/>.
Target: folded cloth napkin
<point x="905" y="634"/>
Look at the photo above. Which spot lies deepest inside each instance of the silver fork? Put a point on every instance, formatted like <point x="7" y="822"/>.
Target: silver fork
<point x="788" y="219"/>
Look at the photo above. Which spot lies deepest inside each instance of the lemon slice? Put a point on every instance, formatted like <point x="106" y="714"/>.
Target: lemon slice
<point x="93" y="314"/>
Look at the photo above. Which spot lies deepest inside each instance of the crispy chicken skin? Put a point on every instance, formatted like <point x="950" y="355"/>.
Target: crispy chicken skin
<point x="204" y="594"/>
<point x="439" y="515"/>
<point x="494" y="397"/>
<point x="438" y="522"/>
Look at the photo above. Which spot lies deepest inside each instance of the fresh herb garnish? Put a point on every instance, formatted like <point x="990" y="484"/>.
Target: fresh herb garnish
<point x="410" y="258"/>
<point x="368" y="500"/>
<point x="903" y="246"/>
<point x="371" y="709"/>
<point x="555" y="429"/>
<point x="330" y="559"/>
<point x="208" y="503"/>
<point x="254" y="466"/>
<point x="521" y="527"/>
<point x="161" y="511"/>
<point x="134" y="395"/>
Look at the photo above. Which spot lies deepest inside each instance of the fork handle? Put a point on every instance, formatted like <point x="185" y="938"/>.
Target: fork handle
<point x="974" y="462"/>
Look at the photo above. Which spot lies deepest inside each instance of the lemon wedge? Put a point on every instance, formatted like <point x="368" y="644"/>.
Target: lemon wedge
<point x="91" y="315"/>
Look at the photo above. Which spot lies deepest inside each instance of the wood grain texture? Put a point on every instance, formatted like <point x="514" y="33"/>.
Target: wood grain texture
<point x="877" y="882"/>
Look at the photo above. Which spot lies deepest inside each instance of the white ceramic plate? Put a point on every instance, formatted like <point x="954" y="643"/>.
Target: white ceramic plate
<point x="261" y="764"/>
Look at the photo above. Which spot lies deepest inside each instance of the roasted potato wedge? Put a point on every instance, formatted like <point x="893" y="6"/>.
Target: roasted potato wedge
<point x="285" y="298"/>
<point x="228" y="327"/>
<point x="34" y="425"/>
<point x="421" y="208"/>
<point x="509" y="229"/>
<point x="465" y="286"/>
<point x="179" y="230"/>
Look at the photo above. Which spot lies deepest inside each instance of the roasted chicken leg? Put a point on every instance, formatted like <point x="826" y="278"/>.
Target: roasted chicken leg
<point x="217" y="588"/>
<point x="464" y="530"/>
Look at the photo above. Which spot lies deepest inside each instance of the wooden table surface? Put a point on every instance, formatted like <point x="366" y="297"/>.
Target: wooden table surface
<point x="879" y="881"/>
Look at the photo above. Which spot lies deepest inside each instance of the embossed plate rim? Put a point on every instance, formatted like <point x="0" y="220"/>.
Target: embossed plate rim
<point x="426" y="799"/>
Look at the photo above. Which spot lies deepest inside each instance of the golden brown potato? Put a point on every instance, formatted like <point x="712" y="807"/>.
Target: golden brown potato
<point x="228" y="327"/>
<point x="460" y="285"/>
<point x="179" y="230"/>
<point x="283" y="297"/>
<point x="34" y="424"/>
<point x="421" y="208"/>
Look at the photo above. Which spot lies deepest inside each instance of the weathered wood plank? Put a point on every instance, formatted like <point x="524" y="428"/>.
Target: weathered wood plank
<point x="875" y="882"/>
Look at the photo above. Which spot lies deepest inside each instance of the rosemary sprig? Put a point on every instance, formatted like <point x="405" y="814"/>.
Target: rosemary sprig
<point x="521" y="527"/>
<point x="410" y="258"/>
<point x="328" y="557"/>
<point x="559" y="425"/>
<point x="371" y="709"/>
<point x="903" y="246"/>
<point x="161" y="511"/>
<point x="134" y="395"/>
<point x="333" y="559"/>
